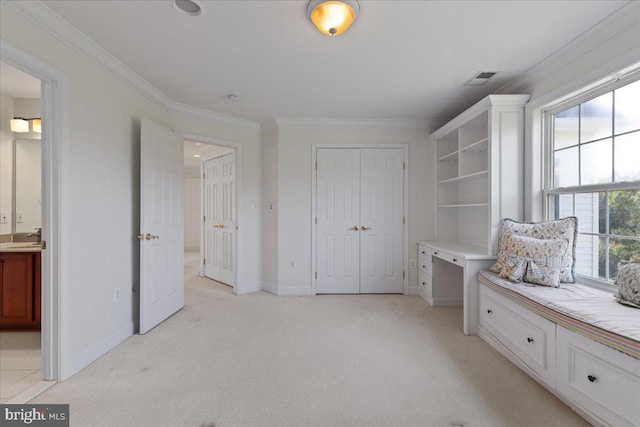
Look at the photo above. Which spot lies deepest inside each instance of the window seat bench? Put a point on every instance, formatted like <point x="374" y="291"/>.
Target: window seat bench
<point x="576" y="341"/>
<point x="588" y="311"/>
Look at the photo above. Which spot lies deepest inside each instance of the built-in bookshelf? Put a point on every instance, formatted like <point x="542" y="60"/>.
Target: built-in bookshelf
<point x="479" y="171"/>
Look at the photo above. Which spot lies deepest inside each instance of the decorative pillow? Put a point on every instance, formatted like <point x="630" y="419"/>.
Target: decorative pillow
<point x="628" y="282"/>
<point x="536" y="261"/>
<point x="565" y="229"/>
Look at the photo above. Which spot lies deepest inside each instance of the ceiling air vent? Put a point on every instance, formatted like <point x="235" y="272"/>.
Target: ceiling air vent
<point x="481" y="78"/>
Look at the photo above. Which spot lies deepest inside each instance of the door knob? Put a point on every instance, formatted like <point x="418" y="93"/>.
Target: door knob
<point x="148" y="236"/>
<point x="355" y="228"/>
<point x="155" y="237"/>
<point x="219" y="226"/>
<point x="365" y="228"/>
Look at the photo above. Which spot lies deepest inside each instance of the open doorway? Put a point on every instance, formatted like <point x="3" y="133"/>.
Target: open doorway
<point x="210" y="212"/>
<point x="21" y="214"/>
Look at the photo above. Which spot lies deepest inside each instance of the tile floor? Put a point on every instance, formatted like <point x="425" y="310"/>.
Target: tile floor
<point x="19" y="363"/>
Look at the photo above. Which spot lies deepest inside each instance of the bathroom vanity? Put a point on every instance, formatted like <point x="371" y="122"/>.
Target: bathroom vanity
<point x="20" y="286"/>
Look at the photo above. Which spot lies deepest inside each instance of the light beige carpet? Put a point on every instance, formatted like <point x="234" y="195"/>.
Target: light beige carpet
<point x="262" y="360"/>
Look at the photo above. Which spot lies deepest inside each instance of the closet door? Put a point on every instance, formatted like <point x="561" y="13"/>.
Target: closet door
<point x="382" y="211"/>
<point x="338" y="215"/>
<point x="212" y="218"/>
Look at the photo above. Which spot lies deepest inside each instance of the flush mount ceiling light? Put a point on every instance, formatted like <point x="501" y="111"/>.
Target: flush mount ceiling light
<point x="332" y="17"/>
<point x="21" y="125"/>
<point x="187" y="7"/>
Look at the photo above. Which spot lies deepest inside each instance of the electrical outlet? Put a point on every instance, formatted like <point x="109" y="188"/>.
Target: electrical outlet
<point x="117" y="294"/>
<point x="19" y="217"/>
<point x="412" y="263"/>
<point x="3" y="218"/>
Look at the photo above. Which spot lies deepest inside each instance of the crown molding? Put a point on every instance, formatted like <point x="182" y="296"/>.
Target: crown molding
<point x="293" y="123"/>
<point x="54" y="24"/>
<point x="614" y="24"/>
<point x="190" y="110"/>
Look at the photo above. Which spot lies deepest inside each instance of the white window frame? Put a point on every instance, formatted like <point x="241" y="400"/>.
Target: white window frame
<point x="547" y="133"/>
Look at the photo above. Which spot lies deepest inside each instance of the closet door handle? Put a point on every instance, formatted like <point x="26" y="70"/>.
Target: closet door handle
<point x="529" y="339"/>
<point x="355" y="228"/>
<point x="365" y="228"/>
<point x="591" y="378"/>
<point x="489" y="311"/>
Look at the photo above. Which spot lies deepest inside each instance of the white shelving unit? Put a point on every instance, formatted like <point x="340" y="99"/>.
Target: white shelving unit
<point x="479" y="171"/>
<point x="479" y="180"/>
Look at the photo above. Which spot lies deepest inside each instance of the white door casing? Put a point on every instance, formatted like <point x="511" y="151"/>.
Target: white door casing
<point x="338" y="216"/>
<point x="382" y="218"/>
<point x="220" y="218"/>
<point x="359" y="203"/>
<point x="161" y="224"/>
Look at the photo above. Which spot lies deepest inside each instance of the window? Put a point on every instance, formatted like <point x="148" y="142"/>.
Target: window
<point x="594" y="174"/>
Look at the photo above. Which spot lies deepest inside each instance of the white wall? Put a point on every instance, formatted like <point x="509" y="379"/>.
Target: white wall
<point x="294" y="171"/>
<point x="6" y="162"/>
<point x="270" y="209"/>
<point x="192" y="211"/>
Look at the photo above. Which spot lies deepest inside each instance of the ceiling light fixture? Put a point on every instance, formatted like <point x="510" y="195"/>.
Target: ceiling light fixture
<point x="332" y="17"/>
<point x="187" y="7"/>
<point x="196" y="155"/>
<point x="21" y="125"/>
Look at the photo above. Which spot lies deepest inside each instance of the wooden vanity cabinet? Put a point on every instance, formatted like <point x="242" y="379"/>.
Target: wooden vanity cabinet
<point x="20" y="291"/>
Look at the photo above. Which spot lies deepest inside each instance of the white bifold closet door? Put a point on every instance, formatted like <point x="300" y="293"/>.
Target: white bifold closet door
<point x="220" y="218"/>
<point x="360" y="214"/>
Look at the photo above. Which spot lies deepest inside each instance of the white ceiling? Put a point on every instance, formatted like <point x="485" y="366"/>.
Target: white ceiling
<point x="16" y="84"/>
<point x="399" y="60"/>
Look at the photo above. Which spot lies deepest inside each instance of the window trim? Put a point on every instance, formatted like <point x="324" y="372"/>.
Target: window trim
<point x="576" y="98"/>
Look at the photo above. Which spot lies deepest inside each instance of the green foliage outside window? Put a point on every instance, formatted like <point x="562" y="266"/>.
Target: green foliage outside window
<point x="624" y="220"/>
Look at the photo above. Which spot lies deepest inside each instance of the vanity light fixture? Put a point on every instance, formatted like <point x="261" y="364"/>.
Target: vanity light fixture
<point x="21" y="125"/>
<point x="332" y="18"/>
<point x="36" y="125"/>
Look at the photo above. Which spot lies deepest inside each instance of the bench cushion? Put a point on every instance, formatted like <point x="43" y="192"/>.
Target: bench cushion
<point x="583" y="309"/>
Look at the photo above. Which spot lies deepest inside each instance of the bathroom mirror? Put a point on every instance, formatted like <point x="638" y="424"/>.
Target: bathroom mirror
<point x="27" y="183"/>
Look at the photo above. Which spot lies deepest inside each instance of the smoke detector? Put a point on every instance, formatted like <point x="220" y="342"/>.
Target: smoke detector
<point x="187" y="7"/>
<point x="481" y="77"/>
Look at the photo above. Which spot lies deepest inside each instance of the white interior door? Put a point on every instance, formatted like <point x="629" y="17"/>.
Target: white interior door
<point x="338" y="216"/>
<point x="161" y="225"/>
<point x="382" y="222"/>
<point x="220" y="218"/>
<point x="360" y="220"/>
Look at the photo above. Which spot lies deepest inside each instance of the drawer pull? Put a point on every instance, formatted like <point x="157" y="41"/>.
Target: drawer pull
<point x="422" y="252"/>
<point x="424" y="266"/>
<point x="529" y="339"/>
<point x="489" y="311"/>
<point x="591" y="378"/>
<point x="435" y="253"/>
<point x="455" y="260"/>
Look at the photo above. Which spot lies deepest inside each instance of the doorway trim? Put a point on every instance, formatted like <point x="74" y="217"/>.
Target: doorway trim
<point x="405" y="207"/>
<point x="54" y="99"/>
<point x="238" y="150"/>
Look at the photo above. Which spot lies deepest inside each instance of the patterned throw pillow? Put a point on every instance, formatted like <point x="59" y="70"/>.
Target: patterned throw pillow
<point x="628" y="282"/>
<point x="564" y="229"/>
<point x="536" y="261"/>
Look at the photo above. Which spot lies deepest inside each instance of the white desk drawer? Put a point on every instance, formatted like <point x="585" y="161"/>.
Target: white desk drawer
<point x="530" y="337"/>
<point x="426" y="285"/>
<point x="455" y="259"/>
<point x="604" y="381"/>
<point x="424" y="264"/>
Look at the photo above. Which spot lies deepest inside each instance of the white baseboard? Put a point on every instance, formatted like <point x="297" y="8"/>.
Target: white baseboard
<point x="289" y="292"/>
<point x="268" y="287"/>
<point x="98" y="350"/>
<point x="248" y="288"/>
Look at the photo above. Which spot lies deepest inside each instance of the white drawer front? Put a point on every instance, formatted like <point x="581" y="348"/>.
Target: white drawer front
<point x="531" y="338"/>
<point x="602" y="380"/>
<point x="424" y="251"/>
<point x="426" y="287"/>
<point x="424" y="264"/>
<point x="455" y="259"/>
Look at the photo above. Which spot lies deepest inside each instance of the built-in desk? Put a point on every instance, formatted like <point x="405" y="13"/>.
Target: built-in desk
<point x="447" y="277"/>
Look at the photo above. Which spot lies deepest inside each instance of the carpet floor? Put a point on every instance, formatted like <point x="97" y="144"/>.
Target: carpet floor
<point x="262" y="360"/>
